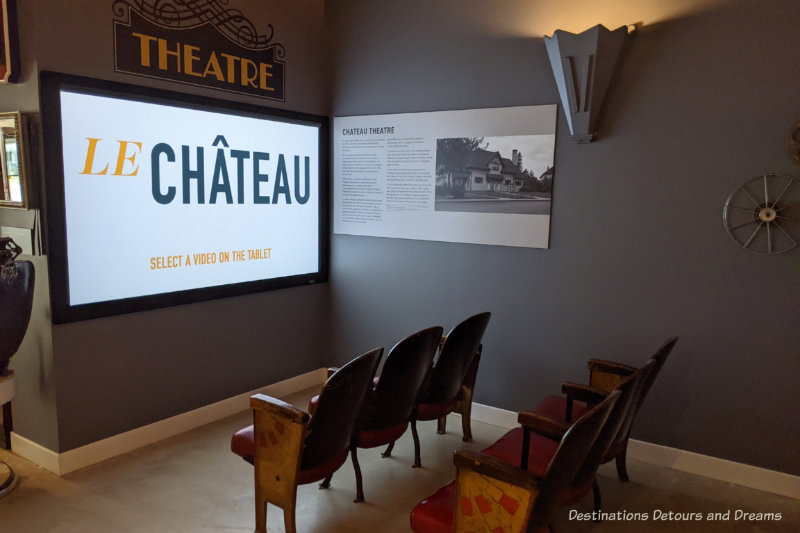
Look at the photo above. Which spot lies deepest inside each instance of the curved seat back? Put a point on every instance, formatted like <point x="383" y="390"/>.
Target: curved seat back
<point x="460" y="346"/>
<point x="331" y="426"/>
<point x="404" y="370"/>
<point x="615" y="430"/>
<point x="569" y="458"/>
<point x="660" y="357"/>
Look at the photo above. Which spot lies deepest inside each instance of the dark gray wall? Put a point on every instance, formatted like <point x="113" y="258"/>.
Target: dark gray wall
<point x="638" y="252"/>
<point x="35" y="410"/>
<point x="102" y="377"/>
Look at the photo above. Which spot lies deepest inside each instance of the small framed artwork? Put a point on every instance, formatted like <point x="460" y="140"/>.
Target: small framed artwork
<point x="9" y="39"/>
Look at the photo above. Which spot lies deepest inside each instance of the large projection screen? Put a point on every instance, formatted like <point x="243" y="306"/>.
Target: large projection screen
<point x="158" y="198"/>
<point x="481" y="176"/>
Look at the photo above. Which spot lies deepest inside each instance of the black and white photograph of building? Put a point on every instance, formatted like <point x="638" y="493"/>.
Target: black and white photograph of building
<point x="510" y="174"/>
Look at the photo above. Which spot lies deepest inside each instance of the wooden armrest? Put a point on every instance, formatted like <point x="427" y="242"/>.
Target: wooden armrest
<point x="583" y="393"/>
<point x="542" y="425"/>
<point x="277" y="408"/>
<point x="493" y="467"/>
<point x="491" y="495"/>
<point x="599" y="365"/>
<point x="591" y="396"/>
<point x="279" y="431"/>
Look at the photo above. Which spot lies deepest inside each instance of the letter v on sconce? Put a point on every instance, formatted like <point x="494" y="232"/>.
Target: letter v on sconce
<point x="583" y="65"/>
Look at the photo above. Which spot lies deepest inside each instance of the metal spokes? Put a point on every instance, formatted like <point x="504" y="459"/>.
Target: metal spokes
<point x="763" y="215"/>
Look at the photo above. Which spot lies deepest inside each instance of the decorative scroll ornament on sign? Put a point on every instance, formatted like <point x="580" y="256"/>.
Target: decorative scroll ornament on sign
<point x="199" y="42"/>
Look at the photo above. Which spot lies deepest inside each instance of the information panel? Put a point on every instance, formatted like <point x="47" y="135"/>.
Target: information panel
<point x="481" y="176"/>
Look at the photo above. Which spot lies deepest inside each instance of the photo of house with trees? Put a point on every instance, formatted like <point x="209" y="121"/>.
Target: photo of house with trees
<point x="511" y="174"/>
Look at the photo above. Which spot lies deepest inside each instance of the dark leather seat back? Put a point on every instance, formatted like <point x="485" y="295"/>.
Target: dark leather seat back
<point x="569" y="458"/>
<point x="447" y="374"/>
<point x="617" y="426"/>
<point x="331" y="426"/>
<point x="660" y="357"/>
<point x="402" y="376"/>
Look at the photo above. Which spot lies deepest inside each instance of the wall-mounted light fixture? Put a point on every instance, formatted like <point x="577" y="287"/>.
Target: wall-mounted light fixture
<point x="583" y="65"/>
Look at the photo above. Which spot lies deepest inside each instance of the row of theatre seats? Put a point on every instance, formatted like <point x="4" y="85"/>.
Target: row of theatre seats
<point x="514" y="485"/>
<point x="551" y="460"/>
<point x="359" y="409"/>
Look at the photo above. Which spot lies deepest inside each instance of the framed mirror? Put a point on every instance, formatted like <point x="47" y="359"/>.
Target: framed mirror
<point x="13" y="186"/>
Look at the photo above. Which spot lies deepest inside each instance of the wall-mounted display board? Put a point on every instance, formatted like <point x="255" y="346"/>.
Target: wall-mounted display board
<point x="157" y="198"/>
<point x="481" y="176"/>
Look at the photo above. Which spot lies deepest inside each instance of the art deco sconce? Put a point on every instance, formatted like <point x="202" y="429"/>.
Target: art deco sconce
<point x="583" y="65"/>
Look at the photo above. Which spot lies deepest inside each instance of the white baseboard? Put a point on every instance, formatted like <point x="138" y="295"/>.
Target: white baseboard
<point x="494" y="416"/>
<point x="684" y="461"/>
<point x="35" y="453"/>
<point x="69" y="461"/>
<point x="750" y="476"/>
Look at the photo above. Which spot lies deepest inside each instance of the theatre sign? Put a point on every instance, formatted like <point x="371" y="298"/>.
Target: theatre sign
<point x="199" y="42"/>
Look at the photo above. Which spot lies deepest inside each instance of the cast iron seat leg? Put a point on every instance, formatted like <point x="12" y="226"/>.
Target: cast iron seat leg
<point x="597" y="500"/>
<point x="357" y="468"/>
<point x="441" y="425"/>
<point x="388" y="451"/>
<point x="417" y="459"/>
<point x="622" y="470"/>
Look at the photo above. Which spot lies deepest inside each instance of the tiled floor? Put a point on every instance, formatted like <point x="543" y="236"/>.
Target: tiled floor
<point x="193" y="483"/>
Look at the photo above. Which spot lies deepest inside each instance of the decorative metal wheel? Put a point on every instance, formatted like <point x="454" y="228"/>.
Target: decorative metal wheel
<point x="763" y="215"/>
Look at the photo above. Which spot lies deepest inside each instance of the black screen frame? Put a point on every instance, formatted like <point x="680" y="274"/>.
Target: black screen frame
<point x="50" y="86"/>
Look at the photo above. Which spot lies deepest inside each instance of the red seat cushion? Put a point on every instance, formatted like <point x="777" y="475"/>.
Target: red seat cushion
<point x="432" y="411"/>
<point x="310" y="475"/>
<point x="243" y="443"/>
<point x="370" y="438"/>
<point x="508" y="448"/>
<point x="312" y="404"/>
<point x="434" y="514"/>
<point x="556" y="407"/>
